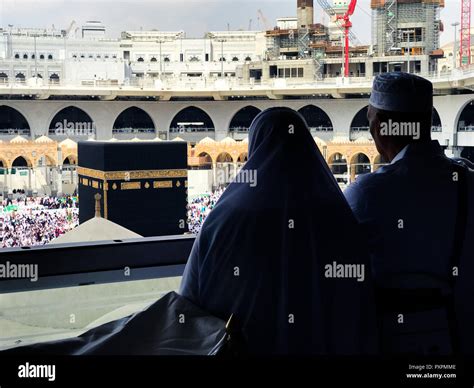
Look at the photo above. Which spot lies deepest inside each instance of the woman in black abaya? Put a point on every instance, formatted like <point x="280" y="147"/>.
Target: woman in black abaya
<point x="267" y="250"/>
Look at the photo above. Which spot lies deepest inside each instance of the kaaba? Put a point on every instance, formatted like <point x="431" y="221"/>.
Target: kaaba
<point x="143" y="184"/>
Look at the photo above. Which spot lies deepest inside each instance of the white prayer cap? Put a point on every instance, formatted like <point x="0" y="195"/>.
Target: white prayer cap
<point x="402" y="92"/>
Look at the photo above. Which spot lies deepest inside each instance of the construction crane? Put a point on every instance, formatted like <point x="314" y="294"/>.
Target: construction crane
<point x="331" y="12"/>
<point x="465" y="33"/>
<point x="346" y="25"/>
<point x="264" y="20"/>
<point x="71" y="26"/>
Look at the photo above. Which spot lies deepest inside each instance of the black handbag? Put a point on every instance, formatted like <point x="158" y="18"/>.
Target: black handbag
<point x="171" y="326"/>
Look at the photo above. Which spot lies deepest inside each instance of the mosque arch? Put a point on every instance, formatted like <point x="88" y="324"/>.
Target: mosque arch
<point x="360" y="122"/>
<point x="243" y="157"/>
<point x="72" y="121"/>
<point x="466" y="118"/>
<point x="205" y="160"/>
<point x="224" y="157"/>
<point x="360" y="164"/>
<point x="436" y="125"/>
<point x="12" y="122"/>
<point x="70" y="161"/>
<point x="21" y="162"/>
<point x="316" y="118"/>
<point x="242" y="120"/>
<point x="338" y="164"/>
<point x="191" y="119"/>
<point x="133" y="120"/>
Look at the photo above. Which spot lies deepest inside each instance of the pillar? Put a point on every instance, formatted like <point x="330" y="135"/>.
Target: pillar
<point x="29" y="178"/>
<point x="214" y="173"/>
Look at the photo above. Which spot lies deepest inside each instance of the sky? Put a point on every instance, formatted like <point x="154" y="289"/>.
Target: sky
<point x="195" y="17"/>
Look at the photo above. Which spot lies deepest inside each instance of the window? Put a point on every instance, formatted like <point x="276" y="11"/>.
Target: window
<point x="17" y="56"/>
<point x="248" y="59"/>
<point x="287" y="73"/>
<point x="140" y="59"/>
<point x="166" y="59"/>
<point x="153" y="59"/>
<point x="25" y="56"/>
<point x="294" y="72"/>
<point x="33" y="56"/>
<point x="222" y="59"/>
<point x="300" y="72"/>
<point x="54" y="78"/>
<point x="42" y="56"/>
<point x="50" y="57"/>
<point x="235" y="59"/>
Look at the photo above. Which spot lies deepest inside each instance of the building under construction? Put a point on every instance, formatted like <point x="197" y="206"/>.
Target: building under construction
<point x="399" y="26"/>
<point x="405" y="37"/>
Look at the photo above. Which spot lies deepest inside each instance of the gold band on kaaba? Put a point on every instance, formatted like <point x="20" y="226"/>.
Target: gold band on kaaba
<point x="102" y="180"/>
<point x="130" y="175"/>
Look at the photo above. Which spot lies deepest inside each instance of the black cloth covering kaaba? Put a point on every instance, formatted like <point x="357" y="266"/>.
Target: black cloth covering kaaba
<point x="262" y="252"/>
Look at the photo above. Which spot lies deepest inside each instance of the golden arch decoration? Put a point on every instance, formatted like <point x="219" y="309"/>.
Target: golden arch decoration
<point x="224" y="157"/>
<point x="72" y="159"/>
<point x="14" y="158"/>
<point x="51" y="161"/>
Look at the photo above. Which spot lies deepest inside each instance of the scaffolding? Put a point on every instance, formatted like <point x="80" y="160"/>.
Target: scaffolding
<point x="400" y="25"/>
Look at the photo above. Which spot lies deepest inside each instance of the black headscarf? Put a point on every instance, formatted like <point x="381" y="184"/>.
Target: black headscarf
<point x="262" y="251"/>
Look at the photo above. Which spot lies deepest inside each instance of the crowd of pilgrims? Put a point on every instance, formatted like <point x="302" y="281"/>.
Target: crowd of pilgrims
<point x="27" y="221"/>
<point x="200" y="207"/>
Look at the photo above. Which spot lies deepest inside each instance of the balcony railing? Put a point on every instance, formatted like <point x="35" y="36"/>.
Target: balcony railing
<point x="15" y="132"/>
<point x="131" y="131"/>
<point x="209" y="83"/>
<point x="360" y="129"/>
<point x="86" y="284"/>
<point x="191" y="130"/>
<point x="321" y="129"/>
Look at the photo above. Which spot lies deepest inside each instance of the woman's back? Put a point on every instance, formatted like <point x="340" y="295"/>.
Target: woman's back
<point x="265" y="250"/>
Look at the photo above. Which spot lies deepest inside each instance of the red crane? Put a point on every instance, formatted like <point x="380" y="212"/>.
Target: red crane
<point x="465" y="33"/>
<point x="347" y="25"/>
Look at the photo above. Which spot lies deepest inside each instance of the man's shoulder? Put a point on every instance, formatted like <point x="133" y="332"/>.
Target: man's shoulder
<point x="370" y="188"/>
<point x="375" y="179"/>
